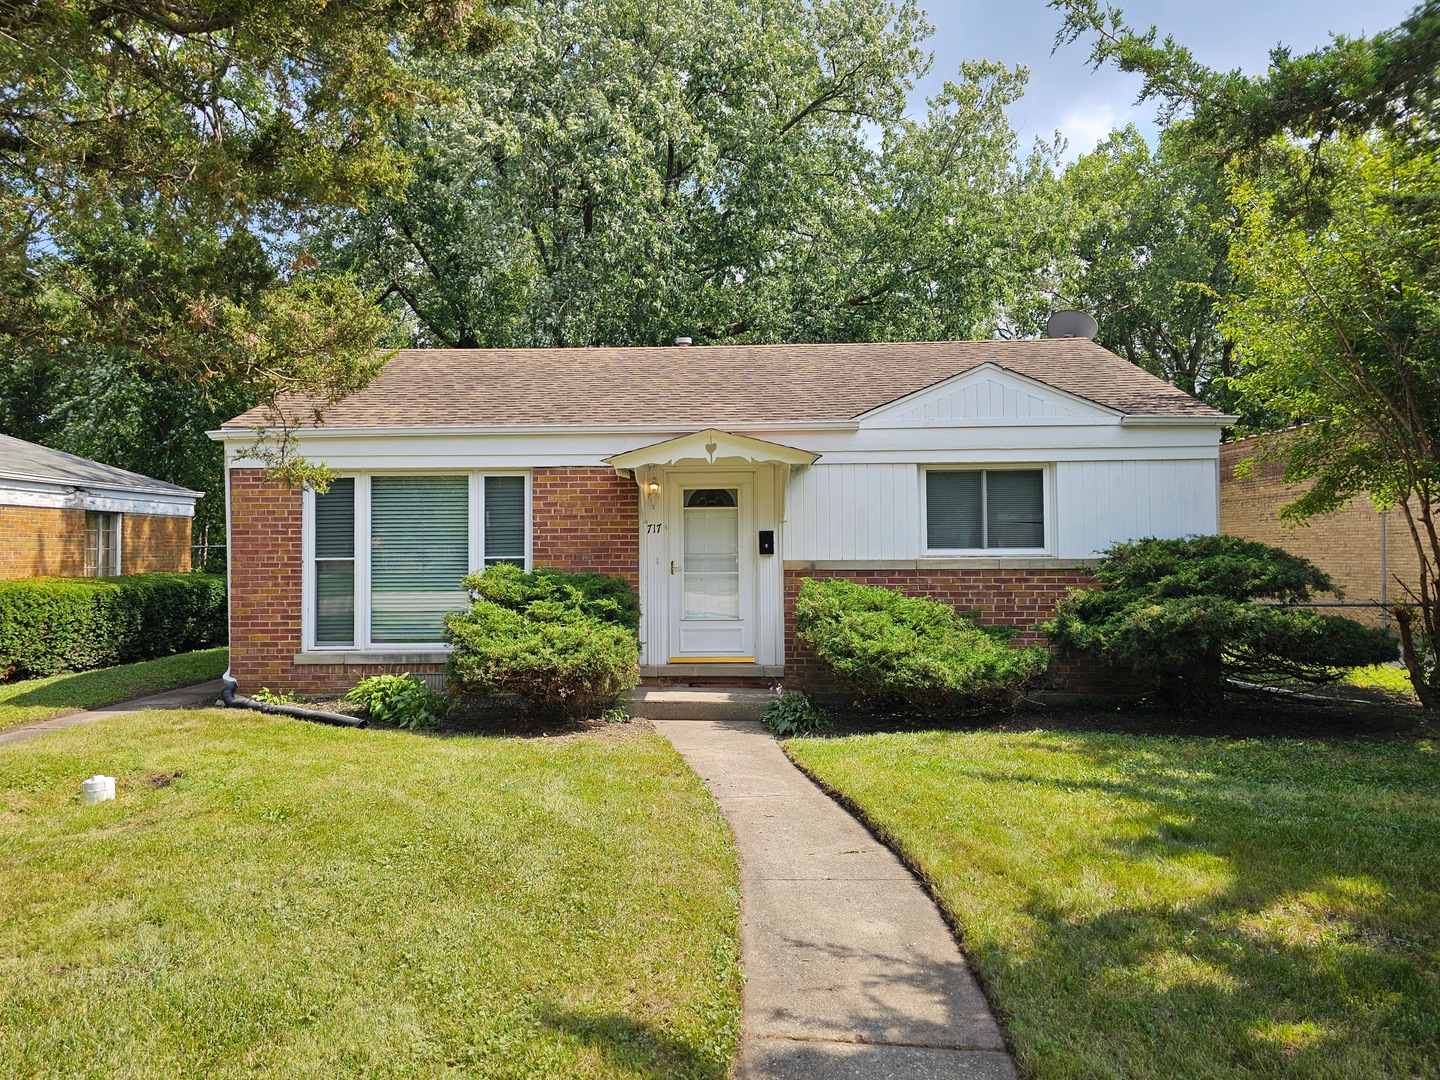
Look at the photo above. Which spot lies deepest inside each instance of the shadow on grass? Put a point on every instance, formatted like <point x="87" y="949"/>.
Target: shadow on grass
<point x="638" y="1046"/>
<point x="1255" y="908"/>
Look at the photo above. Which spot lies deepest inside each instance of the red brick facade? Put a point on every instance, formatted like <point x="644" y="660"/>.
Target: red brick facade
<point x="586" y="519"/>
<point x="43" y="542"/>
<point x="583" y="519"/>
<point x="1020" y="598"/>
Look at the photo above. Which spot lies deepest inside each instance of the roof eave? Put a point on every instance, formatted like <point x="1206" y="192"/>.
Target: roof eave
<point x="168" y="491"/>
<point x="1213" y="420"/>
<point x="235" y="434"/>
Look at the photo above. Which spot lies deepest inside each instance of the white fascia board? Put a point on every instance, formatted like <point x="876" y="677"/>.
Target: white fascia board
<point x="59" y="497"/>
<point x="1179" y="421"/>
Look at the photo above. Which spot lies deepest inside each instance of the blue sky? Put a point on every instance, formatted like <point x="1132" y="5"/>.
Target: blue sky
<point x="1084" y="105"/>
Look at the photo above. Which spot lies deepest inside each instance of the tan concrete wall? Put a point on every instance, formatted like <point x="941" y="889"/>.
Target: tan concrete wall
<point x="1345" y="544"/>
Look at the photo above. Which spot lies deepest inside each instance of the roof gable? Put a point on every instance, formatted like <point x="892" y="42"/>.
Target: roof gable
<point x="986" y="393"/>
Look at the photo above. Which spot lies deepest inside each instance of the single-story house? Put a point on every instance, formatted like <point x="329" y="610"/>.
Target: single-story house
<point x="67" y="516"/>
<point x="714" y="479"/>
<point x="1368" y="553"/>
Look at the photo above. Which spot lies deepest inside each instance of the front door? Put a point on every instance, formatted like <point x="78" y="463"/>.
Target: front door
<point x="712" y="569"/>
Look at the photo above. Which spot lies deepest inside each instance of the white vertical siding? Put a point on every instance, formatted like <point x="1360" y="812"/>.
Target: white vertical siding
<point x="988" y="399"/>
<point x="1100" y="502"/>
<point x="853" y="512"/>
<point x="872" y="511"/>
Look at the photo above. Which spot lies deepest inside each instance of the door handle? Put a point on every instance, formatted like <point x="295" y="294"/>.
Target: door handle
<point x="672" y="566"/>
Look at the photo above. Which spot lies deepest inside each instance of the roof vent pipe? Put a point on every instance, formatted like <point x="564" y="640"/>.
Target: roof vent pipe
<point x="683" y="341"/>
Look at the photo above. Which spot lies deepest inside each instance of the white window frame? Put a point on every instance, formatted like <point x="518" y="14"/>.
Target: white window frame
<point x="118" y="541"/>
<point x="476" y="559"/>
<point x="1047" y="504"/>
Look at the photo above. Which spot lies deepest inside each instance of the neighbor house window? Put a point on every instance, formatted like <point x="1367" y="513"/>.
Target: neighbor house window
<point x="102" y="544"/>
<point x="390" y="552"/>
<point x="978" y="509"/>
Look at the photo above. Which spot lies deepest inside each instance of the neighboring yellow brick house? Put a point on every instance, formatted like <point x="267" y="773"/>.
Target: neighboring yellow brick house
<point x="1347" y="544"/>
<point x="67" y="516"/>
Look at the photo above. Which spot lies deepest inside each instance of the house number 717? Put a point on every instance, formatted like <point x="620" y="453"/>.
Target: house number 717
<point x="654" y="528"/>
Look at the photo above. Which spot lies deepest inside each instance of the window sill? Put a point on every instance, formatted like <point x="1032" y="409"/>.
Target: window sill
<point x="422" y="654"/>
<point x="945" y="562"/>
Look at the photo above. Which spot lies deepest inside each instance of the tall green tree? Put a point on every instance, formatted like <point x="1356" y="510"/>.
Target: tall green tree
<point x="619" y="173"/>
<point x="1331" y="157"/>
<point x="1341" y="331"/>
<point x="158" y="157"/>
<point x="1150" y="259"/>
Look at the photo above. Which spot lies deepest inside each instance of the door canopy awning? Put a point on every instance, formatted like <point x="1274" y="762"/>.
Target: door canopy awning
<point x="711" y="446"/>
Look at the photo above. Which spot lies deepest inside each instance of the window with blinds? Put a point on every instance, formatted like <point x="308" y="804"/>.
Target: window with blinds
<point x="419" y="553"/>
<point x="504" y="520"/>
<point x="335" y="564"/>
<point x="984" y="508"/>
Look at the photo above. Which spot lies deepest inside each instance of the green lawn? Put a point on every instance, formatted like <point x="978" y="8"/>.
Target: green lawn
<point x="1177" y="908"/>
<point x="268" y="897"/>
<point x="39" y="699"/>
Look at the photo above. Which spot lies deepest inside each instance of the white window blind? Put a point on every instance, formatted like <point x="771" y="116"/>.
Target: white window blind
<point x="984" y="508"/>
<point x="419" y="553"/>
<point x="505" y="520"/>
<point x="335" y="564"/>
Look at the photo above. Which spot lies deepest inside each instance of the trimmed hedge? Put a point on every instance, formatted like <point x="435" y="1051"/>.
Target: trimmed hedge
<point x="565" y="644"/>
<point x="892" y="647"/>
<point x="49" y="625"/>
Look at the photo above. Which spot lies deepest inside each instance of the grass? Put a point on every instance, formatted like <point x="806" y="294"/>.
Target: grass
<point x="267" y="897"/>
<point x="1381" y="677"/>
<point x="40" y="699"/>
<point x="1176" y="908"/>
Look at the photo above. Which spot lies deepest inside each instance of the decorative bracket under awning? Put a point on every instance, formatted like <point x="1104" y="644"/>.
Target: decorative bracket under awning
<point x="710" y="446"/>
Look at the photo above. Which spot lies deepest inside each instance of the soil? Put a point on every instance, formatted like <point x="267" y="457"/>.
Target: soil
<point x="1309" y="713"/>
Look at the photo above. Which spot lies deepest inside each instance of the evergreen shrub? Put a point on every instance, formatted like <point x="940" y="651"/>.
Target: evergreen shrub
<point x="886" y="645"/>
<point x="565" y="644"/>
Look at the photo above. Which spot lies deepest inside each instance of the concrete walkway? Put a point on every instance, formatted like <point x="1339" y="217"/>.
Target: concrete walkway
<point x="849" y="969"/>
<point x="182" y="697"/>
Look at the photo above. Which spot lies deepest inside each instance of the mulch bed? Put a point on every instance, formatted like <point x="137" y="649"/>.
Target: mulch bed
<point x="1325" y="713"/>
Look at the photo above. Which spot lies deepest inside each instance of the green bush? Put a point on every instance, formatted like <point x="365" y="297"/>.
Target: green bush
<point x="610" y="599"/>
<point x="402" y="700"/>
<point x="1185" y="611"/>
<point x="565" y="648"/>
<point x="73" y="624"/>
<point x="793" y="713"/>
<point x="886" y="645"/>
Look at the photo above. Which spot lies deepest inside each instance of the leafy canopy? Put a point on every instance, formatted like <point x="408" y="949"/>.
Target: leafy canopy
<point x="733" y="171"/>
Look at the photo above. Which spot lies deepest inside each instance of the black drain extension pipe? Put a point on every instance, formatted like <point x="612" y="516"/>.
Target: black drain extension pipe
<point x="318" y="716"/>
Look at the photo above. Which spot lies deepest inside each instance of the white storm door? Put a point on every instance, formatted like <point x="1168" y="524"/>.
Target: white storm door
<point x="712" y="569"/>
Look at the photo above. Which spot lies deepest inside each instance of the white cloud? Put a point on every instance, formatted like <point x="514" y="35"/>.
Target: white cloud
<point x="1087" y="126"/>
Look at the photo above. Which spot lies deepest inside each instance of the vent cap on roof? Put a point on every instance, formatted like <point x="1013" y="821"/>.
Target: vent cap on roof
<point x="1071" y="324"/>
<point x="683" y="341"/>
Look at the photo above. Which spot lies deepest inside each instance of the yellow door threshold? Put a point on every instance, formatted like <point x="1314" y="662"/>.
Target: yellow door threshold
<point x="712" y="659"/>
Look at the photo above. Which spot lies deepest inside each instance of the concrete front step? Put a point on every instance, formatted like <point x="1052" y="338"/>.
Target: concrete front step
<point x="697" y="703"/>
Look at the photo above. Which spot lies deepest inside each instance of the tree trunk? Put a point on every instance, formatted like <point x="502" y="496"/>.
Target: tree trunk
<point x="1425" y="689"/>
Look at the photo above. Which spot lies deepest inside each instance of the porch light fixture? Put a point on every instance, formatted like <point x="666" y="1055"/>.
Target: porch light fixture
<point x="653" y="487"/>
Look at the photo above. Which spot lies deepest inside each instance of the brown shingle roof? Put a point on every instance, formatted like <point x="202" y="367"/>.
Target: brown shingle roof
<point x="699" y="386"/>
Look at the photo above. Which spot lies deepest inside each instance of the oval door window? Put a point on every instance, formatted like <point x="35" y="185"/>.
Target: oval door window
<point x="712" y="554"/>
